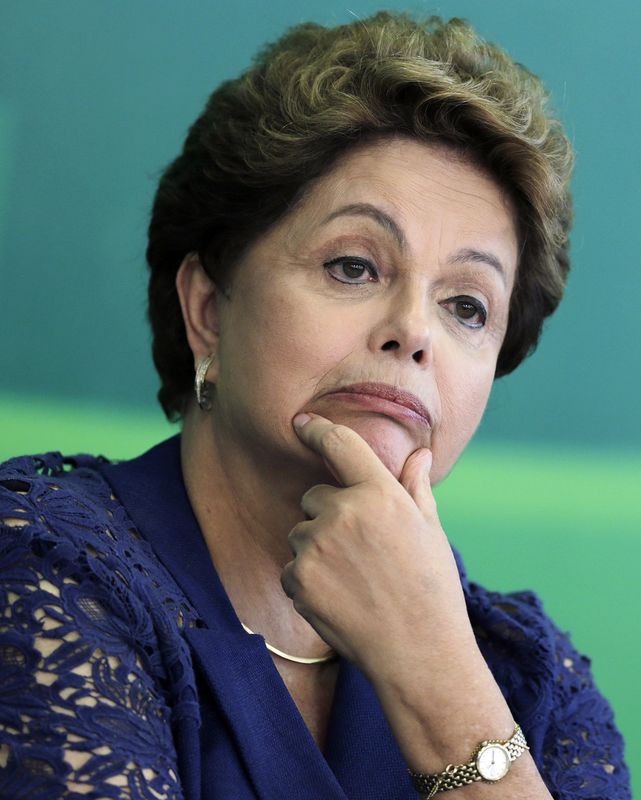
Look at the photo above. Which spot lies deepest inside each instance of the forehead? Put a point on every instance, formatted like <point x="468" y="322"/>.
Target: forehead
<point x="427" y="189"/>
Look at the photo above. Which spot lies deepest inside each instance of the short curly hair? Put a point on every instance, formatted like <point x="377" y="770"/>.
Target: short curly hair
<point x="314" y="94"/>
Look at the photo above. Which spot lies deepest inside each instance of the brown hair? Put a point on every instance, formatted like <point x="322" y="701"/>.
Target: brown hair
<point x="315" y="93"/>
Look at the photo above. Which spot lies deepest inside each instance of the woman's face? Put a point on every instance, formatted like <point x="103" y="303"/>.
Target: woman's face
<point x="396" y="269"/>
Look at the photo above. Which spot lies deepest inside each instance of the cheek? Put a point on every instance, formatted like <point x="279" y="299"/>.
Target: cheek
<point x="464" y="397"/>
<point x="284" y="348"/>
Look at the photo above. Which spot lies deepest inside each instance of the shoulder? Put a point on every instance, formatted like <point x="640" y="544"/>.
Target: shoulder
<point x="52" y="489"/>
<point x="83" y="645"/>
<point x="62" y="526"/>
<point x="67" y="543"/>
<point x="62" y="515"/>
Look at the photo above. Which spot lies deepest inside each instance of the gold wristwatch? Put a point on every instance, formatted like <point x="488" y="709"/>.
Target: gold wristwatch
<point x="490" y="762"/>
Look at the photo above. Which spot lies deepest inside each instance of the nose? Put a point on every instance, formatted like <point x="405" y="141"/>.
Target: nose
<point x="405" y="330"/>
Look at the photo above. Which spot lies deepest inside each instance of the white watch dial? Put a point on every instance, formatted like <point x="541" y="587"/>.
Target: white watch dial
<point x="493" y="762"/>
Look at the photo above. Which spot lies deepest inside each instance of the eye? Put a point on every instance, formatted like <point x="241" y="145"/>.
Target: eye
<point x="347" y="269"/>
<point x="468" y="310"/>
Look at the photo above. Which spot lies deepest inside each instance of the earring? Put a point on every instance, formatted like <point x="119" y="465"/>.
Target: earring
<point x="200" y="384"/>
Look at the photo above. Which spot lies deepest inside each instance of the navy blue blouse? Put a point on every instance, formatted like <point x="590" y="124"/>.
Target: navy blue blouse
<point x="125" y="671"/>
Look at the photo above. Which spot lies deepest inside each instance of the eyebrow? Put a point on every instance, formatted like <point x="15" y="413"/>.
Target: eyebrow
<point x="368" y="210"/>
<point x="466" y="255"/>
<point x="469" y="255"/>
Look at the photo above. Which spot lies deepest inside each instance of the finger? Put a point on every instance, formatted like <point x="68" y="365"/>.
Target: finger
<point x="299" y="536"/>
<point x="287" y="579"/>
<point x="415" y="477"/>
<point x="318" y="498"/>
<point x="292" y="587"/>
<point x="347" y="454"/>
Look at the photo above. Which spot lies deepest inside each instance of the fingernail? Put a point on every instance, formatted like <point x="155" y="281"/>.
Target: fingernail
<point x="300" y="420"/>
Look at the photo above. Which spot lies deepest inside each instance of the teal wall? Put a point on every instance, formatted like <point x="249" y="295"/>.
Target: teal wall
<point x="95" y="98"/>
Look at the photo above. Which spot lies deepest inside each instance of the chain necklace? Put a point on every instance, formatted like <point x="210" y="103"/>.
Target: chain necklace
<point x="298" y="659"/>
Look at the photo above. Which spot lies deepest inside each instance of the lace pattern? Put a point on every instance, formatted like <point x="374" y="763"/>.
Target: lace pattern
<point x="583" y="748"/>
<point x="94" y="670"/>
<point x="551" y="692"/>
<point x="95" y="674"/>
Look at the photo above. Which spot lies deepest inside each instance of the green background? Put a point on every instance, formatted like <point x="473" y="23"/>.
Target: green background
<point x="95" y="98"/>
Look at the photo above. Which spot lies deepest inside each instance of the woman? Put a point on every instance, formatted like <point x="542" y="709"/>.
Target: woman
<point x="359" y="235"/>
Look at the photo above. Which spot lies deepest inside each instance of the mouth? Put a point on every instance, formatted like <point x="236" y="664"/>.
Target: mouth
<point x="386" y="399"/>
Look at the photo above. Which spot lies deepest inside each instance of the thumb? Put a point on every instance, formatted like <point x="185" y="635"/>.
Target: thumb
<point x="415" y="478"/>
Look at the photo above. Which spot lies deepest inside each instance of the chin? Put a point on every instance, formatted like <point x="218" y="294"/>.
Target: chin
<point x="391" y="442"/>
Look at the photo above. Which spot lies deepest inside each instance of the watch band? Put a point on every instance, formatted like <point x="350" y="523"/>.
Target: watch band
<point x="453" y="777"/>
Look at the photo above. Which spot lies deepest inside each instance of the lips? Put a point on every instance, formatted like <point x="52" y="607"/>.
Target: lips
<point x="389" y="393"/>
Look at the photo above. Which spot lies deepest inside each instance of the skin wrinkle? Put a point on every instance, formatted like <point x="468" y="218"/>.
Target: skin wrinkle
<point x="478" y="256"/>
<point x="324" y="375"/>
<point x="389" y="225"/>
<point x="386" y="222"/>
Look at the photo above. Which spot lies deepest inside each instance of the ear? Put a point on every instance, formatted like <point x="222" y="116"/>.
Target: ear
<point x="199" y="297"/>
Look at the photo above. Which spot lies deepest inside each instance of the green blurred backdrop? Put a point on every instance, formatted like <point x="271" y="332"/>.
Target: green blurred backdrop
<point x="95" y="98"/>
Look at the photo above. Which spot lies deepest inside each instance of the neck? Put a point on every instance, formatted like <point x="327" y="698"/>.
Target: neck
<point x="245" y="506"/>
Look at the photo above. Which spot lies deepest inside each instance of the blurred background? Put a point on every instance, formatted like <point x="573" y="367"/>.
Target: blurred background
<point x="95" y="99"/>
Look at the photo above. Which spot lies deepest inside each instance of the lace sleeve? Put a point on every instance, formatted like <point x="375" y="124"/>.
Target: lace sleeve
<point x="568" y="723"/>
<point x="583" y="751"/>
<point x="81" y="715"/>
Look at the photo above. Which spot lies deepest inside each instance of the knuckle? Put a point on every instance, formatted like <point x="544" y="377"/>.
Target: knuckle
<point x="304" y="572"/>
<point x="308" y="498"/>
<point x="346" y="516"/>
<point x="297" y="534"/>
<point x="319" y="546"/>
<point x="317" y="491"/>
<point x="308" y="495"/>
<point x="300" y="607"/>
<point x="335" y="438"/>
<point x="286" y="581"/>
<point x="314" y="490"/>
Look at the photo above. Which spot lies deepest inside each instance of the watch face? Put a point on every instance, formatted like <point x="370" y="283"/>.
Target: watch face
<point x="493" y="762"/>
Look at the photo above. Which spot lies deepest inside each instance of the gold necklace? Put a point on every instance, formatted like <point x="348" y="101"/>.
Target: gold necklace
<point x="297" y="659"/>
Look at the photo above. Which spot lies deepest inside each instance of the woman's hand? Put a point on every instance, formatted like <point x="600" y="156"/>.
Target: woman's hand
<point x="373" y="571"/>
<point x="374" y="574"/>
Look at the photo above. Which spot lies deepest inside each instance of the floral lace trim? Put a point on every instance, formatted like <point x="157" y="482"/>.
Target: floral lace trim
<point x="94" y="670"/>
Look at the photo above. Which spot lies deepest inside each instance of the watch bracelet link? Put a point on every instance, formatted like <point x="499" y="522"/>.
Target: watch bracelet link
<point x="451" y="778"/>
<point x="455" y="777"/>
<point x="516" y="745"/>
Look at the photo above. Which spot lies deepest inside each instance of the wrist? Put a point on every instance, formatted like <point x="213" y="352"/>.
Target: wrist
<point x="430" y="662"/>
<point x="490" y="762"/>
<point x="443" y="713"/>
<point x="408" y="647"/>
